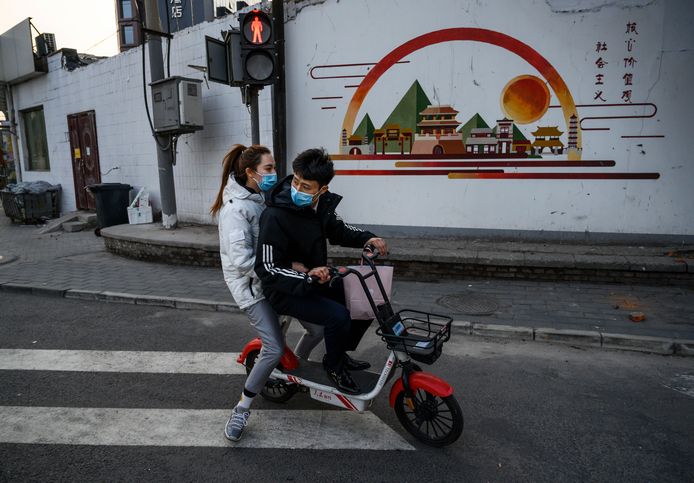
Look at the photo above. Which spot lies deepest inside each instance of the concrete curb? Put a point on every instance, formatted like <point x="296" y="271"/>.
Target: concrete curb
<point x="25" y="288"/>
<point x="568" y="336"/>
<point x="585" y="338"/>
<point x="582" y="338"/>
<point x="643" y="343"/>
<point x="684" y="348"/>
<point x="505" y="331"/>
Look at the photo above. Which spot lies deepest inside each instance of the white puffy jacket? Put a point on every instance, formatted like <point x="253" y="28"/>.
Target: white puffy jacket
<point x="238" y="235"/>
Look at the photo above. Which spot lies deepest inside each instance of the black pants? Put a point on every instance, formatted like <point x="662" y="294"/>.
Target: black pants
<point x="325" y="307"/>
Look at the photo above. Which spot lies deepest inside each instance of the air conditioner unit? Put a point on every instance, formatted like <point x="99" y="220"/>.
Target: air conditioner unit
<point x="45" y="44"/>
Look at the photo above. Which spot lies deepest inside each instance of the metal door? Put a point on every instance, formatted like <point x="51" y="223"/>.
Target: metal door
<point x="84" y="151"/>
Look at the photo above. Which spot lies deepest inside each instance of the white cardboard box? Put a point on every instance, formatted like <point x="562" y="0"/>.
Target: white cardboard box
<point x="140" y="214"/>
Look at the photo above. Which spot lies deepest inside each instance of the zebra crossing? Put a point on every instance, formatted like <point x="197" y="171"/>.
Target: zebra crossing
<point x="283" y="428"/>
<point x="154" y="362"/>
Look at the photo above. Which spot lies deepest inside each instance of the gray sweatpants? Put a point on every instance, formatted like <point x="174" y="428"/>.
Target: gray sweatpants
<point x="264" y="320"/>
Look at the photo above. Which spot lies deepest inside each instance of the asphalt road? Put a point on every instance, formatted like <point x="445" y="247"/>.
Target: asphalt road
<point x="533" y="412"/>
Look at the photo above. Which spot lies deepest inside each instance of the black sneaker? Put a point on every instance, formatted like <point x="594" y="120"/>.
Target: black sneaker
<point x="355" y="365"/>
<point x="343" y="381"/>
<point x="349" y="363"/>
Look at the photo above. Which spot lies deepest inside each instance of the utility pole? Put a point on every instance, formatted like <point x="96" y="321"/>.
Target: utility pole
<point x="169" y="218"/>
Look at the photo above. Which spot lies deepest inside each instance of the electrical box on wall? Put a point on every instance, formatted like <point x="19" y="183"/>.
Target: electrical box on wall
<point x="177" y="105"/>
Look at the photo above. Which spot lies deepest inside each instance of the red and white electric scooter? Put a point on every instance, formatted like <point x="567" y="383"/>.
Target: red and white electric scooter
<point x="424" y="403"/>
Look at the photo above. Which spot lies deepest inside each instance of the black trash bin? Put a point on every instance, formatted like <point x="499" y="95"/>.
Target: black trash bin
<point x="112" y="200"/>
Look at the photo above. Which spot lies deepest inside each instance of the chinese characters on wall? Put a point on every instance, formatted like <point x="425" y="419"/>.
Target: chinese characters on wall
<point x="627" y="77"/>
<point x="600" y="64"/>
<point x="629" y="61"/>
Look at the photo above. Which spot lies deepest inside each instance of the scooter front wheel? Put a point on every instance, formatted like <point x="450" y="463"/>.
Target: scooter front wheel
<point x="434" y="420"/>
<point x="275" y="391"/>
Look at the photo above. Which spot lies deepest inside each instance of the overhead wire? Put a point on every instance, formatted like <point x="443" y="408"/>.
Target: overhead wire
<point x="101" y="41"/>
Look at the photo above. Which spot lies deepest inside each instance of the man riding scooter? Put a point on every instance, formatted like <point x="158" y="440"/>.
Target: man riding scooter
<point x="294" y="228"/>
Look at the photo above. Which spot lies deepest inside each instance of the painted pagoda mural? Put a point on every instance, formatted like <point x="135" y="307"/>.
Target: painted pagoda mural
<point x="417" y="127"/>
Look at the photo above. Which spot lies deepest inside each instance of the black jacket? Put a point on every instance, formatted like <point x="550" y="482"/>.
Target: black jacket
<point x="292" y="234"/>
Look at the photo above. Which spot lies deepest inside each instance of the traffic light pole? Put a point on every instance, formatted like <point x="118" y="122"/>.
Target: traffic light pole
<point x="252" y="93"/>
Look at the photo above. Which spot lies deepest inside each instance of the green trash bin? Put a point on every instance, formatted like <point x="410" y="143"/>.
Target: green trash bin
<point x="112" y="200"/>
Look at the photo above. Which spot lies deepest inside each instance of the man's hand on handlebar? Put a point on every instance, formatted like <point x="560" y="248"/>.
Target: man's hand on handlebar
<point x="380" y="245"/>
<point x="320" y="273"/>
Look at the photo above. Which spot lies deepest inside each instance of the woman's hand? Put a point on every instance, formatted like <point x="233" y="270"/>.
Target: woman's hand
<point x="299" y="267"/>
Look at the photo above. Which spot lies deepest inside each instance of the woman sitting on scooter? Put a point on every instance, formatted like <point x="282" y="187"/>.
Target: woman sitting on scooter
<point x="247" y="174"/>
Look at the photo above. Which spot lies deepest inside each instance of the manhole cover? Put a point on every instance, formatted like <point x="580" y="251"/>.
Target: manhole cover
<point x="470" y="303"/>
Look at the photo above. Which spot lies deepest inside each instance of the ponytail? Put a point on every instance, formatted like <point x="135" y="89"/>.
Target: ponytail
<point x="235" y="162"/>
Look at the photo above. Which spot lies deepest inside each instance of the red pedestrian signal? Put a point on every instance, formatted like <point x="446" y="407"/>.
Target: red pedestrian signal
<point x="256" y="28"/>
<point x="257" y="48"/>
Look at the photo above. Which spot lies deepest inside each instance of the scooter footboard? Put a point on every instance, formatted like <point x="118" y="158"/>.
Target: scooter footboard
<point x="422" y="380"/>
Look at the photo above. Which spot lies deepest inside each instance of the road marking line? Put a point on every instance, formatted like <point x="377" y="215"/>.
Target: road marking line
<point x="287" y="429"/>
<point x="121" y="361"/>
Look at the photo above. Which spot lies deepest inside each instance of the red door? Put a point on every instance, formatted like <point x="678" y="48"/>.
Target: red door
<point x="84" y="151"/>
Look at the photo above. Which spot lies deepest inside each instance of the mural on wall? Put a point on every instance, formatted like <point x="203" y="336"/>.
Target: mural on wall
<point x="421" y="137"/>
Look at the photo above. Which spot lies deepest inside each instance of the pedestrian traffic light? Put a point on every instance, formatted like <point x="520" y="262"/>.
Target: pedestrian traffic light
<point x="257" y="48"/>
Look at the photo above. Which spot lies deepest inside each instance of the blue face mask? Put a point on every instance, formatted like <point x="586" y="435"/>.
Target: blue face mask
<point x="300" y="199"/>
<point x="267" y="181"/>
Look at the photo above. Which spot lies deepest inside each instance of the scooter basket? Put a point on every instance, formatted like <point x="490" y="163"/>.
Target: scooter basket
<point x="419" y="334"/>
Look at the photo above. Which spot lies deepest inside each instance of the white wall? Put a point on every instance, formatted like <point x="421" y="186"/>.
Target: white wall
<point x="471" y="75"/>
<point x="466" y="74"/>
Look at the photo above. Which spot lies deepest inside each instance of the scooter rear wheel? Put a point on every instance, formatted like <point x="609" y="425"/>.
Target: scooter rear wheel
<point x="434" y="420"/>
<point x="275" y="391"/>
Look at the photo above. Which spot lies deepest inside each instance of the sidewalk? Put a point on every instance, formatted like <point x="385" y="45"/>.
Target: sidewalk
<point x="78" y="265"/>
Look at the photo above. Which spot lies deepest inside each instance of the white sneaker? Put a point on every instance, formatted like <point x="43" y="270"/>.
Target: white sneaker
<point x="236" y="424"/>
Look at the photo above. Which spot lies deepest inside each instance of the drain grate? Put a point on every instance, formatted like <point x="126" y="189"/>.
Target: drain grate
<point x="470" y="303"/>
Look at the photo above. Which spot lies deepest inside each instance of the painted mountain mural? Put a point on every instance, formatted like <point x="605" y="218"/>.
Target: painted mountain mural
<point x="417" y="127"/>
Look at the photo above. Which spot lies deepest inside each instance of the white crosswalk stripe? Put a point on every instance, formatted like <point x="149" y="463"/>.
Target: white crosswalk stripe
<point x="295" y="429"/>
<point x="288" y="429"/>
<point x="121" y="361"/>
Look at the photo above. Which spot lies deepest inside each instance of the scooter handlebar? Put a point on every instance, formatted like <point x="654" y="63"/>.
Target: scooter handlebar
<point x="335" y="272"/>
<point x="370" y="251"/>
